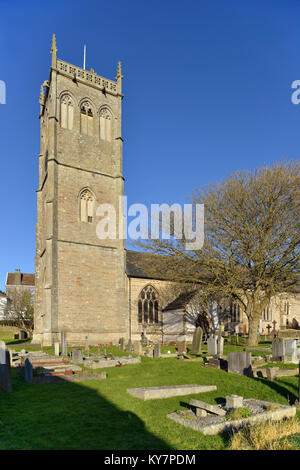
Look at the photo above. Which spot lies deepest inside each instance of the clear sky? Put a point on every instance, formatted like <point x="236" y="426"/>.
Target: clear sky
<point x="207" y="87"/>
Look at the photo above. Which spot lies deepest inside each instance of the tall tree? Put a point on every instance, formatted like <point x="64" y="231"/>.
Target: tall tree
<point x="21" y="310"/>
<point x="251" y="239"/>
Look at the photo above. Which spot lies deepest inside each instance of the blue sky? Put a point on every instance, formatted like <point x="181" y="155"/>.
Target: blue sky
<point x="207" y="87"/>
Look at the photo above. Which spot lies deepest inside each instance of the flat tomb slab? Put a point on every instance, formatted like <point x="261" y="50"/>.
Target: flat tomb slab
<point x="150" y="393"/>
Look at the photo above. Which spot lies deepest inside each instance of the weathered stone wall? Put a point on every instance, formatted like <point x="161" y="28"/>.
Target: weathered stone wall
<point x="80" y="279"/>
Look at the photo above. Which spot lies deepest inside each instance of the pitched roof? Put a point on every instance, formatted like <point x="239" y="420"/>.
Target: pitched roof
<point x="145" y="265"/>
<point x="26" y="279"/>
<point x="180" y="302"/>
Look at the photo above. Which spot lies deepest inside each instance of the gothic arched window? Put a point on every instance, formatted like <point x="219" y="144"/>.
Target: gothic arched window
<point x="87" y="203"/>
<point x="66" y="112"/>
<point x="105" y="125"/>
<point x="86" y="119"/>
<point x="267" y="314"/>
<point x="148" y="306"/>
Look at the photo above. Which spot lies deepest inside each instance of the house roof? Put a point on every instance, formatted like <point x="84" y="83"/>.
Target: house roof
<point x="26" y="279"/>
<point x="180" y="302"/>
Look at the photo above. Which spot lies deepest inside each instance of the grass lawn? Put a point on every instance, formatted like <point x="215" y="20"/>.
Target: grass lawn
<point x="101" y="415"/>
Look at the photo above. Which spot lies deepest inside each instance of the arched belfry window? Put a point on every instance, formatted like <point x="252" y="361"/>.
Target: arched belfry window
<point x="86" y="119"/>
<point x="148" y="306"/>
<point x="87" y="206"/>
<point x="105" y="125"/>
<point x="66" y="112"/>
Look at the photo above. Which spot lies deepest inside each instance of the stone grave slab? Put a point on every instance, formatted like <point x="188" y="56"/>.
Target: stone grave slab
<point x="150" y="393"/>
<point x="214" y="409"/>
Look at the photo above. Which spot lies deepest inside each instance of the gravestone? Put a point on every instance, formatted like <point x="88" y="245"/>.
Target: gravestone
<point x="215" y="345"/>
<point x="181" y="347"/>
<point x="5" y="372"/>
<point x="212" y="345"/>
<point x="220" y="345"/>
<point x="291" y="349"/>
<point x="28" y="371"/>
<point x="122" y="344"/>
<point x="137" y="348"/>
<point x="240" y="363"/>
<point x="23" y="334"/>
<point x="274" y="331"/>
<point x="269" y="328"/>
<point x="156" y="350"/>
<point x="129" y="346"/>
<point x="77" y="357"/>
<point x="144" y="338"/>
<point x="197" y="341"/>
<point x="278" y="349"/>
<point x="63" y="337"/>
<point x="56" y="348"/>
<point x="87" y="346"/>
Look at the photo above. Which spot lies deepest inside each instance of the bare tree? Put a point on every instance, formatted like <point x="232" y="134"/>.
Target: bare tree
<point x="21" y="310"/>
<point x="251" y="246"/>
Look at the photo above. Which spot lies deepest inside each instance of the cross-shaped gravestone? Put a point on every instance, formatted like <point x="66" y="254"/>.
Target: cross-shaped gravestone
<point x="274" y="325"/>
<point x="269" y="328"/>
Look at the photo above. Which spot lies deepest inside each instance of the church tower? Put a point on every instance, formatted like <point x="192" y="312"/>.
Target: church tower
<point x="80" y="279"/>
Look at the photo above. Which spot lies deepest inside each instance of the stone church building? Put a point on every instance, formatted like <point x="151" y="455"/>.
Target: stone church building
<point x="90" y="288"/>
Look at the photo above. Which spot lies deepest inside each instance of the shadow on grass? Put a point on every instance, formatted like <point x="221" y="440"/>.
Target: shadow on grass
<point x="69" y="416"/>
<point x="20" y="342"/>
<point x="285" y="392"/>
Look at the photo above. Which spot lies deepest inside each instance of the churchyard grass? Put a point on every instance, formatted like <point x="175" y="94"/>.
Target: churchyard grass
<point x="102" y="415"/>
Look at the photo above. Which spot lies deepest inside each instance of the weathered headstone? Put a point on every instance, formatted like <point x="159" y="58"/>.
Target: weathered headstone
<point x="278" y="349"/>
<point x="181" y="347"/>
<point x="274" y="331"/>
<point x="77" y="357"/>
<point x="56" y="348"/>
<point x="5" y="372"/>
<point x="63" y="337"/>
<point x="28" y="371"/>
<point x="220" y="345"/>
<point x="197" y="341"/>
<point x="212" y="345"/>
<point x="144" y="338"/>
<point x="137" y="348"/>
<point x="215" y="345"/>
<point x="291" y="349"/>
<point x="240" y="363"/>
<point x="23" y="334"/>
<point x="122" y="344"/>
<point x="87" y="346"/>
<point x="129" y="346"/>
<point x="156" y="350"/>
